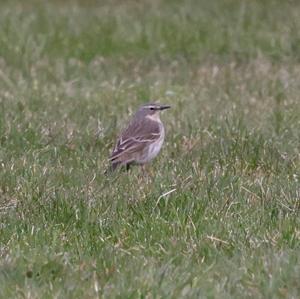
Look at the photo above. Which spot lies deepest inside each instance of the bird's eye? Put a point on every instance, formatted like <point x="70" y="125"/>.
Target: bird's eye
<point x="151" y="108"/>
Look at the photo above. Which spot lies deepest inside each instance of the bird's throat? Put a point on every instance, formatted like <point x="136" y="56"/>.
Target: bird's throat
<point x="154" y="117"/>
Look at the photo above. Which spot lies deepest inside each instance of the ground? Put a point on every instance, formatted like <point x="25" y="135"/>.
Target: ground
<point x="217" y="213"/>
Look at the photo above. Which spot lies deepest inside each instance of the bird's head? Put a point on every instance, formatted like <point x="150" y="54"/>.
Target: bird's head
<point x="153" y="108"/>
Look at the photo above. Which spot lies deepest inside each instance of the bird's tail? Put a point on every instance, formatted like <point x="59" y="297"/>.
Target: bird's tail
<point x="117" y="165"/>
<point x="111" y="168"/>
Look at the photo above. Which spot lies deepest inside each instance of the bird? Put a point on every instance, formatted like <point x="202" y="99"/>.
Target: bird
<point x="141" y="140"/>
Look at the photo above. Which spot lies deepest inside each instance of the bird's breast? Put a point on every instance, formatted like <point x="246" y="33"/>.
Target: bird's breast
<point x="154" y="148"/>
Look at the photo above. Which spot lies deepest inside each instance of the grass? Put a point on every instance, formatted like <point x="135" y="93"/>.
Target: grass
<point x="218" y="215"/>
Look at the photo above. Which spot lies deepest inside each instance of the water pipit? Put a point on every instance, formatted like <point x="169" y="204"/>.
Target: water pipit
<point x="142" y="140"/>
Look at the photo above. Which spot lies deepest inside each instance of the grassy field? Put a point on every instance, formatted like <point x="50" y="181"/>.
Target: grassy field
<point x="217" y="216"/>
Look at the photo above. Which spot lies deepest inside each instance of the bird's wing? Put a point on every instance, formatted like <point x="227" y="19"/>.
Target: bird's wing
<point x="134" y="138"/>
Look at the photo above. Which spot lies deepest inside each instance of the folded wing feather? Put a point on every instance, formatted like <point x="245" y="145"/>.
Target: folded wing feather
<point x="134" y="139"/>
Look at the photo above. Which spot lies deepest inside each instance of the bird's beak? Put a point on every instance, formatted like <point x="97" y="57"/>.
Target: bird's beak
<point x="163" y="107"/>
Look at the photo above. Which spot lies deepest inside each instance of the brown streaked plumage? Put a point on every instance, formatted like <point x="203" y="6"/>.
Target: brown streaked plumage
<point x="141" y="141"/>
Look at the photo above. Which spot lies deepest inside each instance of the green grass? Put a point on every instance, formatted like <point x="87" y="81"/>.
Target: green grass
<point x="70" y="74"/>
